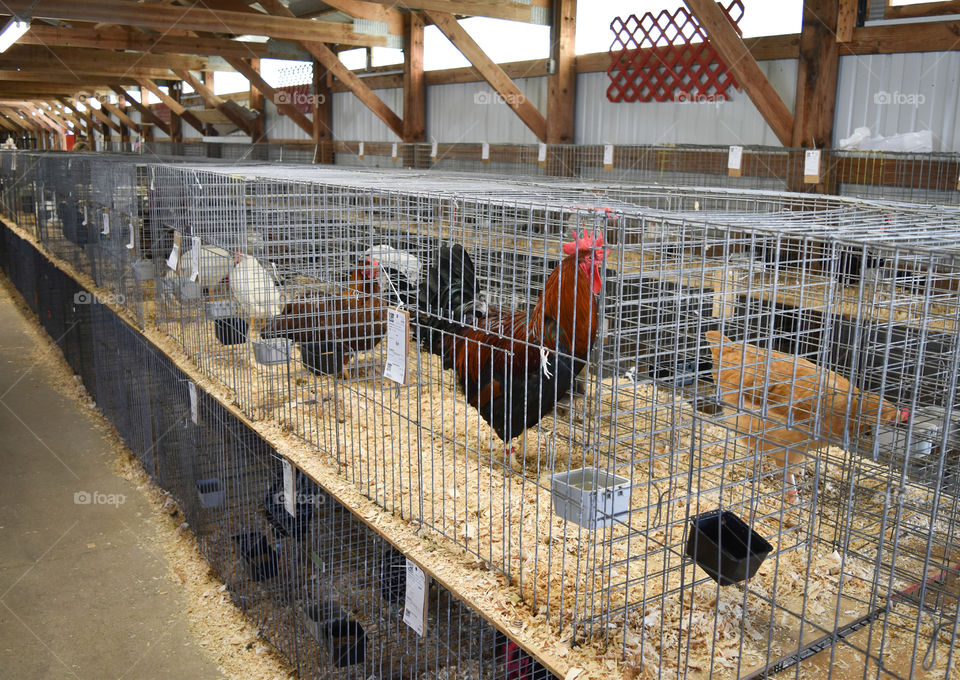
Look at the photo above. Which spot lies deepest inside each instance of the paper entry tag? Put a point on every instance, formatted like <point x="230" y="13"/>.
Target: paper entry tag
<point x="289" y="489"/>
<point x="173" y="261"/>
<point x="194" y="408"/>
<point x="360" y="152"/>
<point x="433" y="151"/>
<point x="734" y="160"/>
<point x="542" y="154"/>
<point x="608" y="156"/>
<point x="485" y="152"/>
<point x="415" y="602"/>
<point x="195" y="273"/>
<point x="811" y="166"/>
<point x="393" y="151"/>
<point x="398" y="335"/>
<point x="84" y="214"/>
<point x="130" y="244"/>
<point x="106" y="224"/>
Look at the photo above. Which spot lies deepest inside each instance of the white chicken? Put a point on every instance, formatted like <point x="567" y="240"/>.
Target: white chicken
<point x="255" y="289"/>
<point x="399" y="273"/>
<point x="214" y="265"/>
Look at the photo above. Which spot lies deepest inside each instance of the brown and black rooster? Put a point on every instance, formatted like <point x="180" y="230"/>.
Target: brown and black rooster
<point x="330" y="330"/>
<point x="513" y="366"/>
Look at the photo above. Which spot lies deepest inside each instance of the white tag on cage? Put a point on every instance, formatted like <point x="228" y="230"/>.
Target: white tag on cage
<point x="433" y="151"/>
<point x="289" y="489"/>
<point x="151" y="178"/>
<point x="106" y="224"/>
<point x="485" y="152"/>
<point x="608" y="156"/>
<point x="393" y="151"/>
<point x="734" y="160"/>
<point x="84" y="223"/>
<point x="131" y="244"/>
<point x="194" y="407"/>
<point x="195" y="260"/>
<point x="398" y="336"/>
<point x="360" y="150"/>
<point x="415" y="600"/>
<point x="173" y="260"/>
<point x="13" y="161"/>
<point x="542" y="154"/>
<point x="811" y="166"/>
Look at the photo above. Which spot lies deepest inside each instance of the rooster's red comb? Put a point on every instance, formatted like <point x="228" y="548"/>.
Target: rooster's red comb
<point x="583" y="242"/>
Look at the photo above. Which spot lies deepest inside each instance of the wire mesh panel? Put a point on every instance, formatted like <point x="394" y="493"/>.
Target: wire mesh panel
<point x="710" y="430"/>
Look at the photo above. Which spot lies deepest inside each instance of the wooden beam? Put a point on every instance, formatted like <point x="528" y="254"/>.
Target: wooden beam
<point x="846" y="20"/>
<point x="234" y="113"/>
<point x="31" y="75"/>
<point x="147" y="116"/>
<point x="562" y="83"/>
<point x="82" y="122"/>
<point x="414" y="84"/>
<point x="77" y="59"/>
<point x="194" y="18"/>
<point x="322" y="115"/>
<point x="380" y="109"/>
<point x="492" y="73"/>
<point x="258" y="106"/>
<point x="922" y="9"/>
<point x="933" y="36"/>
<point x="738" y="59"/>
<point x="816" y="75"/>
<point x="174" y="106"/>
<point x="498" y="9"/>
<point x="121" y="116"/>
<point x="329" y="59"/>
<point x="123" y="38"/>
<point x="371" y="11"/>
<point x="105" y="119"/>
<point x="176" y="120"/>
<point x="246" y="69"/>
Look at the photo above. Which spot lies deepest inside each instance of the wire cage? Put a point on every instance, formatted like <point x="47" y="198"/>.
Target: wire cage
<point x="725" y="443"/>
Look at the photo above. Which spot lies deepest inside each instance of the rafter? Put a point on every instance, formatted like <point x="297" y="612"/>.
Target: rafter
<point x="195" y="18"/>
<point x="173" y="105"/>
<point x="105" y="119"/>
<point x="121" y="116"/>
<point x="738" y="59"/>
<point x="123" y="38"/>
<point x="78" y="58"/>
<point x="146" y="115"/>
<point x="246" y="69"/>
<point x="236" y="114"/>
<point x="492" y="73"/>
<point x="536" y="11"/>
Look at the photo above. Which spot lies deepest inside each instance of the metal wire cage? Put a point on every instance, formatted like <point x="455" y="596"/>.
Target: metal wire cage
<point x="751" y="468"/>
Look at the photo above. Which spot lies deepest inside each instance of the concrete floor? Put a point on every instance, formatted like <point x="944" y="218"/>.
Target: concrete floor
<point x="82" y="595"/>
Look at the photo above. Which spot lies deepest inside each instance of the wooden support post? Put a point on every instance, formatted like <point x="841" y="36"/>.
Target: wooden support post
<point x="816" y="75"/>
<point x="562" y="83"/>
<point x="414" y="85"/>
<point x="322" y="115"/>
<point x="492" y="72"/>
<point x="172" y="101"/>
<point x="176" y="122"/>
<point x="257" y="133"/>
<point x="236" y="114"/>
<point x="737" y="57"/>
<point x="846" y="20"/>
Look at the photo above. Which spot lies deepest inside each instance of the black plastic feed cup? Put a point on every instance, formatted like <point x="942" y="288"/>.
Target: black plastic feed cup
<point x="725" y="547"/>
<point x="231" y="331"/>
<point x="348" y="643"/>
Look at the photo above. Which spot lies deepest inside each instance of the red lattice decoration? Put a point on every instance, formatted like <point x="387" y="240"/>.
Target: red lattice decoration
<point x="300" y="96"/>
<point x="667" y="58"/>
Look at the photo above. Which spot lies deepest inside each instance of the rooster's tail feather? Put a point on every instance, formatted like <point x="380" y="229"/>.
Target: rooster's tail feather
<point x="447" y="291"/>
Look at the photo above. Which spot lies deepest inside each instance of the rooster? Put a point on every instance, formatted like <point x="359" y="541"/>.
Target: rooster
<point x="798" y="393"/>
<point x="329" y="330"/>
<point x="513" y="366"/>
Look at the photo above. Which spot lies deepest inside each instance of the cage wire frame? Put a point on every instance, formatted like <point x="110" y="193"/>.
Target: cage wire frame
<point x="865" y="288"/>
